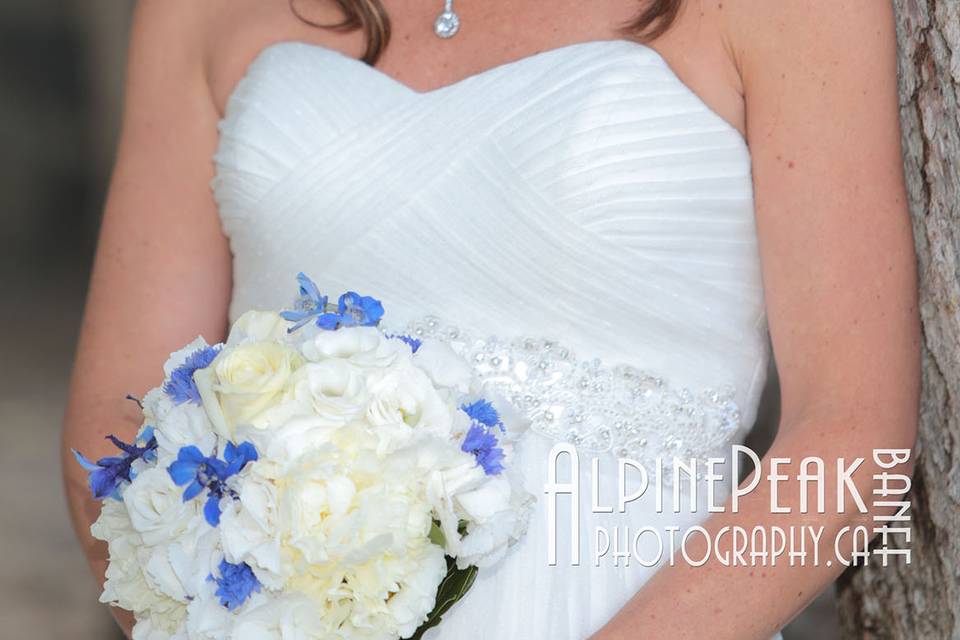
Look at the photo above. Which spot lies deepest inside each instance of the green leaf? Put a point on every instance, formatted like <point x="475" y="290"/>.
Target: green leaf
<point x="452" y="588"/>
<point x="436" y="535"/>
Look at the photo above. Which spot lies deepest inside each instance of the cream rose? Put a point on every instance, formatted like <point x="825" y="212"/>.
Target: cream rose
<point x="244" y="381"/>
<point x="258" y="326"/>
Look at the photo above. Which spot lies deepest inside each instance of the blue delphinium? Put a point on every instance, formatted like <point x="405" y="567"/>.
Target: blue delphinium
<point x="309" y="304"/>
<point x="359" y="311"/>
<point x="181" y="386"/>
<point x="482" y="411"/>
<point x="236" y="583"/>
<point x="237" y="456"/>
<point x="412" y="342"/>
<point x="199" y="472"/>
<point x="107" y="475"/>
<point x="352" y="310"/>
<point x="482" y="443"/>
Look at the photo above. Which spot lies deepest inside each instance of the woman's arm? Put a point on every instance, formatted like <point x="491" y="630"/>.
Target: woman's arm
<point x="162" y="270"/>
<point x="839" y="273"/>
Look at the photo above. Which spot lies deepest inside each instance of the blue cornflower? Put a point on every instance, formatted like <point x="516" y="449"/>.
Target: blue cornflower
<point x="181" y="386"/>
<point x="482" y="443"/>
<point x="310" y="304"/>
<point x="412" y="342"/>
<point x="483" y="412"/>
<point x="108" y="474"/>
<point x="198" y="471"/>
<point x="236" y="583"/>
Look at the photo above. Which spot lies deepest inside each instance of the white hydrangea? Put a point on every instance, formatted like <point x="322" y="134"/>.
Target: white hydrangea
<point x="127" y="585"/>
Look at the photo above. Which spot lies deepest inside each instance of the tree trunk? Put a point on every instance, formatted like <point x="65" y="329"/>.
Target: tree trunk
<point x="921" y="600"/>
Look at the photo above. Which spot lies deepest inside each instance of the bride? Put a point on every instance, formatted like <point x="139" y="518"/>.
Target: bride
<point x="653" y="197"/>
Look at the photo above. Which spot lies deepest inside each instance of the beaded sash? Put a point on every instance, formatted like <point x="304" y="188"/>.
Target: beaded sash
<point x="599" y="408"/>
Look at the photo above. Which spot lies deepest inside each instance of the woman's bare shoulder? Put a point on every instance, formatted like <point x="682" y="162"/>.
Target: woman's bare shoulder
<point x="180" y="28"/>
<point x="213" y="40"/>
<point x="807" y="34"/>
<point x="234" y="32"/>
<point x="698" y="48"/>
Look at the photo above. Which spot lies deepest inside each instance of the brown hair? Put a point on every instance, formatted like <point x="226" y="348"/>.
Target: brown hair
<point x="369" y="15"/>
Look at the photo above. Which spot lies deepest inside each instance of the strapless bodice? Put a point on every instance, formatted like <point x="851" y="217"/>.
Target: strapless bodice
<point x="583" y="196"/>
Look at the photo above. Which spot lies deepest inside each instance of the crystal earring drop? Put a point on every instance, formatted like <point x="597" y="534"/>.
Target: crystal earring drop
<point x="447" y="23"/>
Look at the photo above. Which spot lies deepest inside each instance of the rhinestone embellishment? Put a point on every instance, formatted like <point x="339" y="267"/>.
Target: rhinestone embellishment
<point x="447" y="23"/>
<point x="598" y="408"/>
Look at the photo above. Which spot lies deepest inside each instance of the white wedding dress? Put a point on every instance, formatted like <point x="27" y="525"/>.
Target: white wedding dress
<point x="573" y="218"/>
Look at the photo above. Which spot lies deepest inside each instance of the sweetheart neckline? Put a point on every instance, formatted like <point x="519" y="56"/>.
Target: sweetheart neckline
<point x="510" y="64"/>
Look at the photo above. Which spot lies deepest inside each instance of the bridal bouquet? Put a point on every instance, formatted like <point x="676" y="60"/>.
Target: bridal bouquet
<point x="314" y="477"/>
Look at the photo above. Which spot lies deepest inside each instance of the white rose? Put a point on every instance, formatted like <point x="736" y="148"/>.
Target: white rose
<point x="176" y="425"/>
<point x="178" y="544"/>
<point x="336" y="388"/>
<point x="258" y="326"/>
<point x="443" y="365"/>
<point x="180" y="426"/>
<point x="244" y="381"/>
<point x="296" y="437"/>
<point x="406" y="396"/>
<point x="248" y="529"/>
<point x="361" y="346"/>
<point x="156" y="508"/>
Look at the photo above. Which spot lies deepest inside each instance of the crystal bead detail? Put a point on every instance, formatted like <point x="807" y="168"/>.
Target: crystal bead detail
<point x="601" y="409"/>
<point x="447" y="24"/>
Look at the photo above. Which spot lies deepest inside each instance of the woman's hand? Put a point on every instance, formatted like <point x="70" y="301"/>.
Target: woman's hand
<point x="162" y="271"/>
<point x="839" y="274"/>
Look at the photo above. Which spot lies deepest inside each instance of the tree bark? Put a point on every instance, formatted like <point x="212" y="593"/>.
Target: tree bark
<point x="921" y="600"/>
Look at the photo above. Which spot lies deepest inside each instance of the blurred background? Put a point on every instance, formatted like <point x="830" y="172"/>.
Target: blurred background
<point x="61" y="80"/>
<point x="61" y="73"/>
